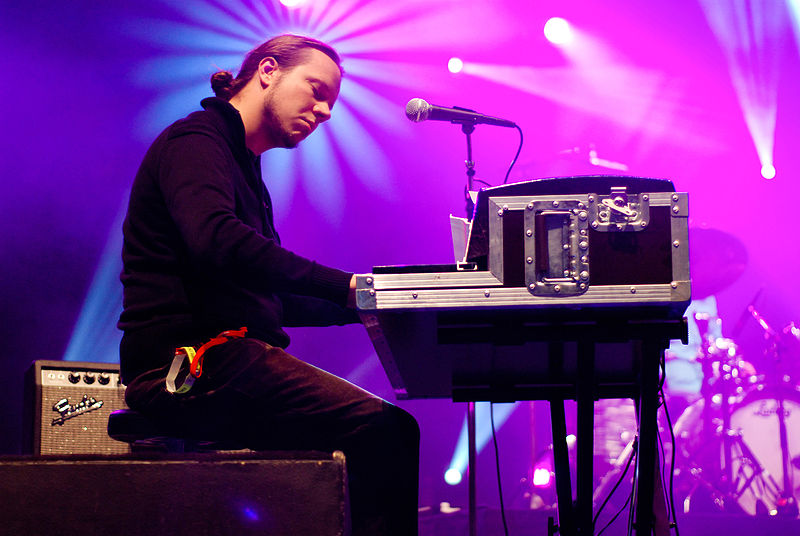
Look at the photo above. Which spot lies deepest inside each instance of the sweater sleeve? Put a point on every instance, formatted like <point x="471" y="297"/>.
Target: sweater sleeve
<point x="306" y="311"/>
<point x="197" y="181"/>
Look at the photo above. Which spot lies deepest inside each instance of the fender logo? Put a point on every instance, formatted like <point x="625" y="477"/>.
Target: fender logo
<point x="67" y="411"/>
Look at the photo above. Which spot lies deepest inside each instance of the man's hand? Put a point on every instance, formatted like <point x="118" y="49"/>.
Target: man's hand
<point x="351" y="296"/>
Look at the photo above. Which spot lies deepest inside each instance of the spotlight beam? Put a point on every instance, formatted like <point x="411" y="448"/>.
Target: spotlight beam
<point x="483" y="434"/>
<point x="634" y="98"/>
<point x="749" y="33"/>
<point x="95" y="336"/>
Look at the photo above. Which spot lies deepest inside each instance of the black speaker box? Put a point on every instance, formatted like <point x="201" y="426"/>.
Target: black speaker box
<point x="292" y="494"/>
<point x="66" y="408"/>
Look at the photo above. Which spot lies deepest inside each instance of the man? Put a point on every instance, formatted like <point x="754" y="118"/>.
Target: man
<point x="201" y="257"/>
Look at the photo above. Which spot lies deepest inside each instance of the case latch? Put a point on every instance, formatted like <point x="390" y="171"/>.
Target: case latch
<point x="619" y="211"/>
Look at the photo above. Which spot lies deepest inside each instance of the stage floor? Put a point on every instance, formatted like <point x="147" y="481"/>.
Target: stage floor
<point x="534" y="523"/>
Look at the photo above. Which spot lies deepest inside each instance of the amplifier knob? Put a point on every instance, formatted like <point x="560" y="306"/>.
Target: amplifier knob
<point x="104" y="378"/>
<point x="74" y="377"/>
<point x="89" y="377"/>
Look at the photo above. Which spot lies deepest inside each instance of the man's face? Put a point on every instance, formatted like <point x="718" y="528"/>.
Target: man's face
<point x="300" y="99"/>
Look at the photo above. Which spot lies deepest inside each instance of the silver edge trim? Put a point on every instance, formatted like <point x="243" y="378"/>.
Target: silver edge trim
<point x="509" y="297"/>
<point x="431" y="280"/>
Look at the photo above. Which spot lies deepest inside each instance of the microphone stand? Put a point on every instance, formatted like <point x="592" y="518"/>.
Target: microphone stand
<point x="468" y="128"/>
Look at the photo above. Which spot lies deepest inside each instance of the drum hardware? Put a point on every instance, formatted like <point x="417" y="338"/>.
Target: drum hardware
<point x="749" y="493"/>
<point x="787" y="504"/>
<point x="780" y="344"/>
<point x="726" y="389"/>
<point x="759" y="482"/>
<point x="739" y="416"/>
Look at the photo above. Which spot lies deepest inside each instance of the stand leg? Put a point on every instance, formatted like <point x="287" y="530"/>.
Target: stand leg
<point x="646" y="458"/>
<point x="787" y="505"/>
<point x="660" y="511"/>
<point x="566" y="526"/>
<point x="471" y="480"/>
<point x="585" y="399"/>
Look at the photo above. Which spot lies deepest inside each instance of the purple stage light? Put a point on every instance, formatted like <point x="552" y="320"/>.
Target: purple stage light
<point x="455" y="65"/>
<point x="768" y="171"/>
<point x="542" y="476"/>
<point x="558" y="31"/>
<point x="250" y="514"/>
<point x="452" y="476"/>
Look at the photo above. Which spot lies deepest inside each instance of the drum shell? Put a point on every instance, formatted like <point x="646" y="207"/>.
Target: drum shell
<point x="757" y="460"/>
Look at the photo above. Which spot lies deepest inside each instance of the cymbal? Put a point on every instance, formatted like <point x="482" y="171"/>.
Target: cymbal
<point x="716" y="260"/>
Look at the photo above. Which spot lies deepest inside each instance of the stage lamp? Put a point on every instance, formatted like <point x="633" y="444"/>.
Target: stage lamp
<point x="294" y="3"/>
<point x="542" y="477"/>
<point x="558" y="31"/>
<point x="768" y="171"/>
<point x="455" y="65"/>
<point x="452" y="476"/>
<point x="250" y="514"/>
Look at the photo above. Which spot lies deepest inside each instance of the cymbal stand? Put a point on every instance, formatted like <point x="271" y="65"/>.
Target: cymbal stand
<point x="786" y="504"/>
<point x="727" y="389"/>
<point x="750" y="469"/>
<point x="724" y="384"/>
<point x="707" y="389"/>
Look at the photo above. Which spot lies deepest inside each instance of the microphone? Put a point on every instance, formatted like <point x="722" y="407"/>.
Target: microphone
<point x="418" y="110"/>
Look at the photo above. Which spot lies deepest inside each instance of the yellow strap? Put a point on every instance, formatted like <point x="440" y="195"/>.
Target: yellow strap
<point x="190" y="353"/>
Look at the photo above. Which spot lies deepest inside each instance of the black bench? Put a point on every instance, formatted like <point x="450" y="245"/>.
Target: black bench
<point x="145" y="435"/>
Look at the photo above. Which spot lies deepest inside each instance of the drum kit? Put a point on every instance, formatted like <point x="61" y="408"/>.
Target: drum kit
<point x="738" y="444"/>
<point x="737" y="438"/>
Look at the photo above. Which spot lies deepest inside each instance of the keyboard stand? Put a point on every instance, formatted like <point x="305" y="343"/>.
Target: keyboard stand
<point x="651" y="339"/>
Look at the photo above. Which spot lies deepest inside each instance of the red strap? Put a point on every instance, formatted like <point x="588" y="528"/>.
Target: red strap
<point x="196" y="367"/>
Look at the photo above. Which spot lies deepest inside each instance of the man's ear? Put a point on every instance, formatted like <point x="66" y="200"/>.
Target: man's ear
<point x="267" y="70"/>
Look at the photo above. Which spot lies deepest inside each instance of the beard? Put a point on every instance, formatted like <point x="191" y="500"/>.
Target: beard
<point x="281" y="136"/>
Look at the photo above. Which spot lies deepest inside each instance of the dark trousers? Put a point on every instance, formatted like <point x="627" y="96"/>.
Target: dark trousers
<point x="262" y="398"/>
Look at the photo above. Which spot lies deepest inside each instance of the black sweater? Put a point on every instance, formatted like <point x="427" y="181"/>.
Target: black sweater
<point x="200" y="252"/>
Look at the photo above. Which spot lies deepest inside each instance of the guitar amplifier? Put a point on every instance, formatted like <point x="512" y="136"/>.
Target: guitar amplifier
<point x="66" y="408"/>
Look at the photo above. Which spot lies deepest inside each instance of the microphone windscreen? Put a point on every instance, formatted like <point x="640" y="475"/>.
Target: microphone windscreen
<point x="417" y="110"/>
